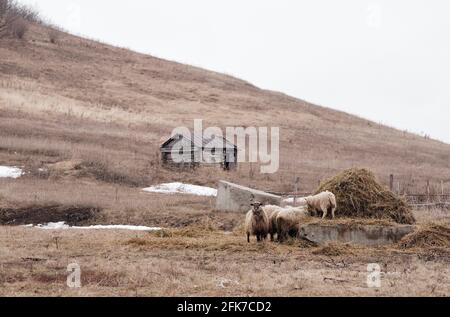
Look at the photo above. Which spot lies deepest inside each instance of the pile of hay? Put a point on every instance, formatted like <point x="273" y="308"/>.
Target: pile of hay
<point x="432" y="236"/>
<point x="359" y="195"/>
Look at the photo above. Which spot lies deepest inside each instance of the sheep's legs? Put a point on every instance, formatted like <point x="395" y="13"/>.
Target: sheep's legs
<point x="248" y="238"/>
<point x="325" y="212"/>
<point x="332" y="212"/>
<point x="281" y="237"/>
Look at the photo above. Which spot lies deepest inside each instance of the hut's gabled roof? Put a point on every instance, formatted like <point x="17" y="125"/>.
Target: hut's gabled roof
<point x="204" y="143"/>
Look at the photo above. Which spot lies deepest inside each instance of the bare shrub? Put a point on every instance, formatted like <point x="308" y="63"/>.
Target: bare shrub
<point x="14" y="18"/>
<point x="4" y="17"/>
<point x="53" y="35"/>
<point x="13" y="9"/>
<point x="18" y="28"/>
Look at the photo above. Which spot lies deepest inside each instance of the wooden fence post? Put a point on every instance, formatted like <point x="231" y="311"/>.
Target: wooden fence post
<point x="428" y="191"/>
<point x="296" y="182"/>
<point x="391" y="183"/>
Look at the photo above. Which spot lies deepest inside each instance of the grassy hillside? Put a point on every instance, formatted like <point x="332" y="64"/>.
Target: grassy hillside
<point x="85" y="121"/>
<point x="106" y="110"/>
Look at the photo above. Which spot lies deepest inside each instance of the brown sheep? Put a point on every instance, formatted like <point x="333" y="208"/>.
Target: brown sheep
<point x="287" y="221"/>
<point x="323" y="202"/>
<point x="257" y="222"/>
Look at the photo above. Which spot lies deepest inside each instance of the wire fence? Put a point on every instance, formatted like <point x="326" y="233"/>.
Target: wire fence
<point x="426" y="201"/>
<point x="429" y="199"/>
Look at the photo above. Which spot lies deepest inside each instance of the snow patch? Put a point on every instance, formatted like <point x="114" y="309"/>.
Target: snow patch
<point x="63" y="226"/>
<point x="53" y="226"/>
<point x="10" y="172"/>
<point x="180" y="188"/>
<point x="120" y="227"/>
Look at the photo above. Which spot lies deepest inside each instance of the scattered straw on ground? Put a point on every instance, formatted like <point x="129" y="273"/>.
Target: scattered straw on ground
<point x="430" y="236"/>
<point x="334" y="249"/>
<point x="359" y="195"/>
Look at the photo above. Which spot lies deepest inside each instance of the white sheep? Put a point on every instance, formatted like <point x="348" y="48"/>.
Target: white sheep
<point x="288" y="220"/>
<point x="256" y="222"/>
<point x="299" y="201"/>
<point x="272" y="213"/>
<point x="323" y="202"/>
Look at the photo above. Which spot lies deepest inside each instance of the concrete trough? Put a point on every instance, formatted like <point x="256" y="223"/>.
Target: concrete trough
<point x="365" y="235"/>
<point x="237" y="198"/>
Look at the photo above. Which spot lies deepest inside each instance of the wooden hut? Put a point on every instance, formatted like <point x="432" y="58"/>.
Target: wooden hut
<point x="190" y="152"/>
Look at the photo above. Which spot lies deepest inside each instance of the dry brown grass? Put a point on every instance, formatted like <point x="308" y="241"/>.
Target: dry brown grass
<point x="85" y="121"/>
<point x="334" y="249"/>
<point x="204" y="263"/>
<point x="53" y="35"/>
<point x="118" y="204"/>
<point x="120" y="108"/>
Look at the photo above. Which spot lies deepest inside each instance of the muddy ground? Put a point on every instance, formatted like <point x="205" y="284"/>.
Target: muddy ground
<point x="72" y="215"/>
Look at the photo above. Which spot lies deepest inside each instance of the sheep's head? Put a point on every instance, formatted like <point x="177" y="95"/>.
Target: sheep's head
<point x="257" y="210"/>
<point x="308" y="201"/>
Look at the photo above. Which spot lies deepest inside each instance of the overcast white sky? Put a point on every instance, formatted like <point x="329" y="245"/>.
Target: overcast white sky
<point x="388" y="61"/>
